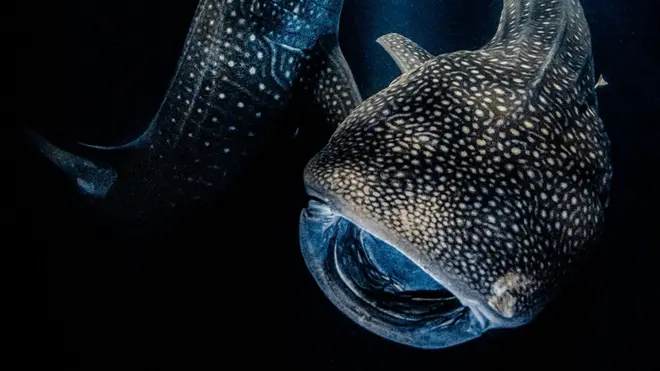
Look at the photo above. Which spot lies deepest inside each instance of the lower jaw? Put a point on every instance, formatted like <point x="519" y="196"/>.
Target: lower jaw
<point x="390" y="297"/>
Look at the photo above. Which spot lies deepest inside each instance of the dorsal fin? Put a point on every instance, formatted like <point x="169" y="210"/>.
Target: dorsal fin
<point x="407" y="54"/>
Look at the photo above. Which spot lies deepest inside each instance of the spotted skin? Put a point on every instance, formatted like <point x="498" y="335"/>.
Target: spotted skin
<point x="489" y="169"/>
<point x="407" y="55"/>
<point x="242" y="62"/>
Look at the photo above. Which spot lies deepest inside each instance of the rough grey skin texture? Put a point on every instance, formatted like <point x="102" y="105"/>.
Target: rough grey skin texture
<point x="489" y="169"/>
<point x="243" y="65"/>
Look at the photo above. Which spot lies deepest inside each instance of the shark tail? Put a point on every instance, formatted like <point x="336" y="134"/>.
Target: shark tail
<point x="92" y="178"/>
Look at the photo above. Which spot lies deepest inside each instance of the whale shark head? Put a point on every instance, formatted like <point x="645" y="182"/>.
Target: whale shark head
<point x="458" y="199"/>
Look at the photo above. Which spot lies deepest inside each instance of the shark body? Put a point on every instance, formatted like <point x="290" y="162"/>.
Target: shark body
<point x="459" y="198"/>
<point x="244" y="63"/>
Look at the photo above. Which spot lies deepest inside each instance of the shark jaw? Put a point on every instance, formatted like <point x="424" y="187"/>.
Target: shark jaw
<point x="382" y="289"/>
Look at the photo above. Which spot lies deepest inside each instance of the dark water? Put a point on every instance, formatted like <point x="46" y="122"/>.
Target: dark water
<point x="232" y="285"/>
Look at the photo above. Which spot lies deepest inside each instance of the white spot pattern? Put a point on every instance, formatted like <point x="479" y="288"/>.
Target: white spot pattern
<point x="487" y="163"/>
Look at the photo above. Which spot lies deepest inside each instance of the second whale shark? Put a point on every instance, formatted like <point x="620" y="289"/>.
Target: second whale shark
<point x="244" y="64"/>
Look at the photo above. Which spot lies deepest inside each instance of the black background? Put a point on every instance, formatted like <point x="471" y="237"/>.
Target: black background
<point x="231" y="285"/>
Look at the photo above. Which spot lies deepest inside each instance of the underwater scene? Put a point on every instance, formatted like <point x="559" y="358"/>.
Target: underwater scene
<point x="340" y="184"/>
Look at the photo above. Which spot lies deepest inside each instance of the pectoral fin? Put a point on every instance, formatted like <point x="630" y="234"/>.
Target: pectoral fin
<point x="324" y="95"/>
<point x="330" y="82"/>
<point x="92" y="178"/>
<point x="407" y="55"/>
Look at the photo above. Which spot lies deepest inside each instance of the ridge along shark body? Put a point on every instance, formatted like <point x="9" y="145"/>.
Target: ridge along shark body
<point x="458" y="199"/>
<point x="244" y="63"/>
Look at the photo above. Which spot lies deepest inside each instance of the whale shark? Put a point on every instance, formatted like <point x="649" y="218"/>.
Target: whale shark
<point x="244" y="64"/>
<point x="462" y="197"/>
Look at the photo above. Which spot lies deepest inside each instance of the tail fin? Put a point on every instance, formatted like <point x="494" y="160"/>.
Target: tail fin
<point x="91" y="178"/>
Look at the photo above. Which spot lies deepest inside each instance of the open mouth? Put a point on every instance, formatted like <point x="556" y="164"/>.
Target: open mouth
<point x="378" y="287"/>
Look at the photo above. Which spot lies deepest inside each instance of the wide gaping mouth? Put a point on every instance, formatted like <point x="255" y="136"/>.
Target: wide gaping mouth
<point x="380" y="288"/>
